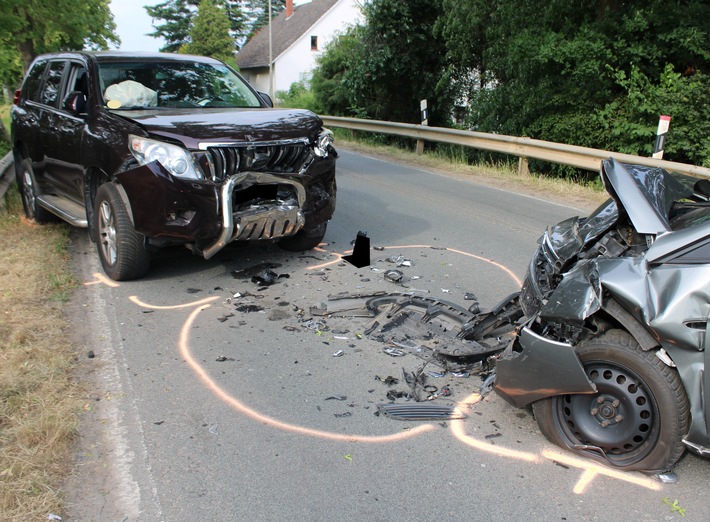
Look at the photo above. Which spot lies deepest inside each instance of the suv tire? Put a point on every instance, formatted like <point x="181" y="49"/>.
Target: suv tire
<point x="304" y="240"/>
<point x="121" y="249"/>
<point x="29" y="190"/>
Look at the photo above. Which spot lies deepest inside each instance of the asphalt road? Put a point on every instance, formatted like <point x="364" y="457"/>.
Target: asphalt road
<point x="208" y="406"/>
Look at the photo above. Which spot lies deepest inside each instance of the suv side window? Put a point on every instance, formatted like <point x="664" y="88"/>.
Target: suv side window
<point x="34" y="78"/>
<point x="52" y="84"/>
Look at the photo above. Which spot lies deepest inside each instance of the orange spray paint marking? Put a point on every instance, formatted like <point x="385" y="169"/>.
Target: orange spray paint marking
<point x="502" y="267"/>
<point x="134" y="299"/>
<point x="593" y="470"/>
<point x="101" y="279"/>
<point x="225" y="397"/>
<point x="457" y="429"/>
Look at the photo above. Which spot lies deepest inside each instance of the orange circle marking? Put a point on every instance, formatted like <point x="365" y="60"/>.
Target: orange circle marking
<point x="215" y="389"/>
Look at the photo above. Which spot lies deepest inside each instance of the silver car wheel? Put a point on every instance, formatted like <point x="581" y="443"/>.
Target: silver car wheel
<point x="107" y="233"/>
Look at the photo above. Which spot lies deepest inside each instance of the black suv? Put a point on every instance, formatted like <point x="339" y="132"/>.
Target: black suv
<point x="151" y="150"/>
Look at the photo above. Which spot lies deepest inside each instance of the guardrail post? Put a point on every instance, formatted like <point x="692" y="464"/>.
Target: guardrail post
<point x="523" y="167"/>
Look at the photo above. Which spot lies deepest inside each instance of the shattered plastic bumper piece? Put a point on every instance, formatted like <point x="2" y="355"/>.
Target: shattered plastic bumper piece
<point x="420" y="411"/>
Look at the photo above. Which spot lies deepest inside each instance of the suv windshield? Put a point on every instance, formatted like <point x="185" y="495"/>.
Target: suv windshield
<point x="139" y="85"/>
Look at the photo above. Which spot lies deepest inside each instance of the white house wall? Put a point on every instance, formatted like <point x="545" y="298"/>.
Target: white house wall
<point x="298" y="60"/>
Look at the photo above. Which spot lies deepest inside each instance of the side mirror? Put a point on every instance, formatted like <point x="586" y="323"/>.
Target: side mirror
<point x="267" y="99"/>
<point x="75" y="102"/>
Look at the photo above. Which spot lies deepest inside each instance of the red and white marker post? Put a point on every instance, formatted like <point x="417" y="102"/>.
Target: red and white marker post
<point x="663" y="124"/>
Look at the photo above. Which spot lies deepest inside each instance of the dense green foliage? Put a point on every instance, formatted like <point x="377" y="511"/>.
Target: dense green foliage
<point x="297" y="97"/>
<point x="596" y="73"/>
<point x="209" y="35"/>
<point x="32" y="27"/>
<point x="383" y="69"/>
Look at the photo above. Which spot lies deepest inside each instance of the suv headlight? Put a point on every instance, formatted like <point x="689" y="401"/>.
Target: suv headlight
<point x="323" y="143"/>
<point x="176" y="160"/>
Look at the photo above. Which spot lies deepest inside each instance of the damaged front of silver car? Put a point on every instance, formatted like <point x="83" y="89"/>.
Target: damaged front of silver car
<point x="610" y="350"/>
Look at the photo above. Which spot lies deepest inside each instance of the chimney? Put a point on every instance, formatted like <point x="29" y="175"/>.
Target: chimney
<point x="289" y="8"/>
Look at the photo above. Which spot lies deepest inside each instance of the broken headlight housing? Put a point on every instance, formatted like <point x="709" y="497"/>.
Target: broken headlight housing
<point x="176" y="160"/>
<point x="323" y="143"/>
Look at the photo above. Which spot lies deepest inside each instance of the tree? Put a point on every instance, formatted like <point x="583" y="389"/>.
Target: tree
<point x="173" y="21"/>
<point x="33" y="27"/>
<point x="176" y="16"/>
<point x="330" y="92"/>
<point x="556" y="70"/>
<point x="209" y="35"/>
<point x="259" y="13"/>
<point x="384" y="69"/>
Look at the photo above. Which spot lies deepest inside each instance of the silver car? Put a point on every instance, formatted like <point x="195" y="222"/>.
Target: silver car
<point x="612" y="340"/>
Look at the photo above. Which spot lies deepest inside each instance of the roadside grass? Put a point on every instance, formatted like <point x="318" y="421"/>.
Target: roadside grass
<point x="39" y="399"/>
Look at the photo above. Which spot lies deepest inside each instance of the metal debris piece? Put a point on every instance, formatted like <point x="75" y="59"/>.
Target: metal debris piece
<point x="394" y="352"/>
<point x="668" y="477"/>
<point x="315" y="325"/>
<point x="249" y="308"/>
<point x="265" y="278"/>
<point x="397" y="394"/>
<point x="339" y="353"/>
<point x="389" y="380"/>
<point x="394" y="275"/>
<point x="400" y="260"/>
<point x="420" y="411"/>
<point x="222" y="358"/>
<point x="246" y="273"/>
<point x="341" y="415"/>
<point x="436" y="375"/>
<point x="337" y="398"/>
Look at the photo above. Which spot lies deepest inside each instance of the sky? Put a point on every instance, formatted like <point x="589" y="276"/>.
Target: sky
<point x="133" y="23"/>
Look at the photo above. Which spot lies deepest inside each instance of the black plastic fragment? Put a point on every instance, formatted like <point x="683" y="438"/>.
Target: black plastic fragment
<point x="361" y="251"/>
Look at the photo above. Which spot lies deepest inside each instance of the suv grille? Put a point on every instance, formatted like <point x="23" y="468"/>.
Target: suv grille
<point x="225" y="161"/>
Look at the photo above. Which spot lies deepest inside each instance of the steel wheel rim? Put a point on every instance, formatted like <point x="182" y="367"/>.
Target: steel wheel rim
<point x="621" y="418"/>
<point x="107" y="233"/>
<point x="28" y="192"/>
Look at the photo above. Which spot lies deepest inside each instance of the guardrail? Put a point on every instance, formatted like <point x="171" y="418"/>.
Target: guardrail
<point x="523" y="148"/>
<point x="7" y="175"/>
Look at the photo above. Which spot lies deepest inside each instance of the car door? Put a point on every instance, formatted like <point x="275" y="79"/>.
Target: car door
<point x="63" y="150"/>
<point x="39" y="138"/>
<point x="56" y="160"/>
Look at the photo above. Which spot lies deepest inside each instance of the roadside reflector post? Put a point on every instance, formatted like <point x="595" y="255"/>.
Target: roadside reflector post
<point x="663" y="124"/>
<point x="424" y="109"/>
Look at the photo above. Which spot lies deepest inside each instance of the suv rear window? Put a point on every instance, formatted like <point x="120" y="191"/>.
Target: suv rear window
<point x="34" y="78"/>
<point x="136" y="85"/>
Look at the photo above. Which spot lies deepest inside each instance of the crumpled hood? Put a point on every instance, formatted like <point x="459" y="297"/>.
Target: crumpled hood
<point x="194" y="126"/>
<point x="646" y="193"/>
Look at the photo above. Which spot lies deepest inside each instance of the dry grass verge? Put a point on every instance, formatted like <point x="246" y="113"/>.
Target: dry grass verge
<point x="39" y="401"/>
